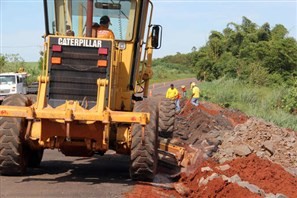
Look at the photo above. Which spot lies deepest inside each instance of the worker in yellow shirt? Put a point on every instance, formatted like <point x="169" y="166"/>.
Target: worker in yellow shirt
<point x="172" y="94"/>
<point x="195" y="94"/>
<point x="192" y="84"/>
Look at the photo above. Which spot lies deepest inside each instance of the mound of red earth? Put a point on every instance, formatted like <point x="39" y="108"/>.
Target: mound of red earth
<point x="243" y="177"/>
<point x="243" y="157"/>
<point x="265" y="139"/>
<point x="248" y="176"/>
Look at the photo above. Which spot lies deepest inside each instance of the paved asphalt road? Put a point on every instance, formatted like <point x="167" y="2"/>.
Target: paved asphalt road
<point x="60" y="176"/>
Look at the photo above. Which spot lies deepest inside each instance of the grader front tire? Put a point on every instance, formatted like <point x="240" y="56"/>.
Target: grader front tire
<point x="144" y="154"/>
<point x="12" y="155"/>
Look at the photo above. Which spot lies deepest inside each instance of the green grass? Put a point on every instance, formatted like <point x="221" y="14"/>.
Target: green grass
<point x="260" y="102"/>
<point x="171" y="78"/>
<point x="162" y="74"/>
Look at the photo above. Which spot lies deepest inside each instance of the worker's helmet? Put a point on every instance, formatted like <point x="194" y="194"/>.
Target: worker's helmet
<point x="105" y="20"/>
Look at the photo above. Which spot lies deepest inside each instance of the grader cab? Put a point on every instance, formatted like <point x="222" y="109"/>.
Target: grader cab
<point x="85" y="103"/>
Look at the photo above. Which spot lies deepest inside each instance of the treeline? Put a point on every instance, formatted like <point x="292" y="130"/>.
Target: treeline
<point x="256" y="54"/>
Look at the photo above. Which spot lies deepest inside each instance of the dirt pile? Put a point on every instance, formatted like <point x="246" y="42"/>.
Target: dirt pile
<point x="242" y="177"/>
<point x="264" y="139"/>
<point x="248" y="176"/>
<point x="243" y="157"/>
<point x="232" y="134"/>
<point x="205" y="122"/>
<point x="202" y="127"/>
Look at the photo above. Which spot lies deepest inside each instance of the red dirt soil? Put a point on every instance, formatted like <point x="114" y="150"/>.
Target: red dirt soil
<point x="270" y="177"/>
<point x="233" y="116"/>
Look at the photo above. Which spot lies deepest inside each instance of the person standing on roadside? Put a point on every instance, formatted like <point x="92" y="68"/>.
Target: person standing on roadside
<point x="192" y="84"/>
<point x="183" y="88"/>
<point x="172" y="94"/>
<point x="195" y="94"/>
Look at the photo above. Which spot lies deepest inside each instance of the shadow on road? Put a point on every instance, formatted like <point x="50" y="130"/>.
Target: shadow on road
<point x="98" y="169"/>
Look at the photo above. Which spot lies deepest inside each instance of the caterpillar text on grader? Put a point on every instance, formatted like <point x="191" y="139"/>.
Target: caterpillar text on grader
<point x="85" y="103"/>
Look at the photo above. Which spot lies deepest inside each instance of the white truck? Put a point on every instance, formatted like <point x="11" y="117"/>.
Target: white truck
<point x="12" y="83"/>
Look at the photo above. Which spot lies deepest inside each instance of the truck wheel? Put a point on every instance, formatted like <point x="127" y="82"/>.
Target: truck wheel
<point x="166" y="118"/>
<point x="144" y="155"/>
<point x="12" y="130"/>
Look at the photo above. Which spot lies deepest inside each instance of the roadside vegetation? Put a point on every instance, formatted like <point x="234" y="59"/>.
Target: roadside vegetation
<point x="249" y="67"/>
<point x="13" y="62"/>
<point x="171" y="68"/>
<point x="259" y="101"/>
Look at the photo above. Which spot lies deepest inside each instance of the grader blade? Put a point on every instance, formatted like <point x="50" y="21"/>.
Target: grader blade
<point x="180" y="158"/>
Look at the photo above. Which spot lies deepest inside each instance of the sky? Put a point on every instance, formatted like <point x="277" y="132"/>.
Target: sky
<point x="186" y="23"/>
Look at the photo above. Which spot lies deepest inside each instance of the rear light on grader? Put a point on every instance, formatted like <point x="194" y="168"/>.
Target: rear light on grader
<point x="102" y="63"/>
<point x="56" y="60"/>
<point x="57" y="48"/>
<point x="102" y="51"/>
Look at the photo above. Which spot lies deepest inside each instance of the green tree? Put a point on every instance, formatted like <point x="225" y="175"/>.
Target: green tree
<point x="11" y="63"/>
<point x="3" y="62"/>
<point x="279" y="32"/>
<point x="255" y="54"/>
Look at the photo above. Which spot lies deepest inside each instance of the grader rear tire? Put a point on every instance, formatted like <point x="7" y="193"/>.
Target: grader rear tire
<point x="12" y="154"/>
<point x="144" y="155"/>
<point x="166" y="118"/>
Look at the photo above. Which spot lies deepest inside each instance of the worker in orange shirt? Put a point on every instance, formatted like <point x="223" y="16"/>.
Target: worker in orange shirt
<point x="183" y="88"/>
<point x="103" y="31"/>
<point x="95" y="27"/>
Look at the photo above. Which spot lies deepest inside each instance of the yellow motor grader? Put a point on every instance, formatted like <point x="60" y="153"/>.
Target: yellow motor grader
<point x="86" y="102"/>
